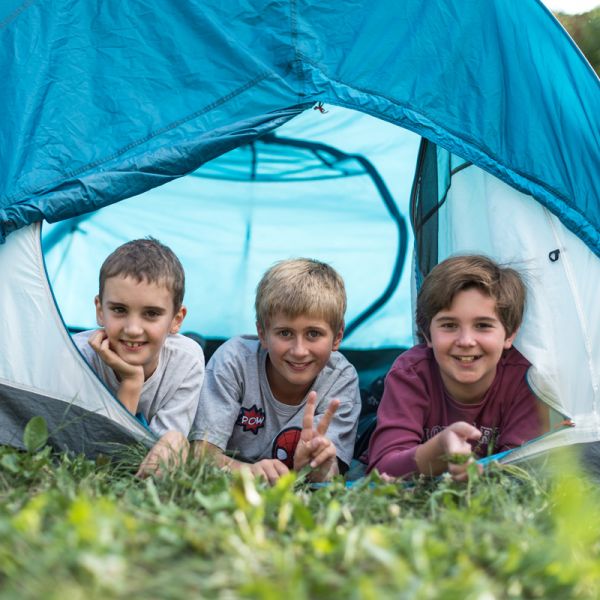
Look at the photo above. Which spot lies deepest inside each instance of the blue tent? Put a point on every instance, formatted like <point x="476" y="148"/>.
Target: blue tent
<point x="108" y="100"/>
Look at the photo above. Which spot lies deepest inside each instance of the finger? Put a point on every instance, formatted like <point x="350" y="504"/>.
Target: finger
<point x="280" y="467"/>
<point x="325" y="421"/>
<point x="96" y="339"/>
<point x="466" y="431"/>
<point x="309" y="412"/>
<point x="325" y="454"/>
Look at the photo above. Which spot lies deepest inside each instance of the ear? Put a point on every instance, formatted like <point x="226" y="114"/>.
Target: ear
<point x="427" y="340"/>
<point x="261" y="335"/>
<point x="337" y="340"/>
<point x="99" y="312"/>
<point x="508" y="342"/>
<point x="178" y="320"/>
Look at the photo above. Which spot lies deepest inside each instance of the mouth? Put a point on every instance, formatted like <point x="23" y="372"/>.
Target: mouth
<point x="296" y="366"/>
<point x="465" y="360"/>
<point x="132" y="345"/>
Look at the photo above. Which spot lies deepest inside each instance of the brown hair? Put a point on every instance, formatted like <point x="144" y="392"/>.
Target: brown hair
<point x="146" y="260"/>
<point x="503" y="284"/>
<point x="301" y="286"/>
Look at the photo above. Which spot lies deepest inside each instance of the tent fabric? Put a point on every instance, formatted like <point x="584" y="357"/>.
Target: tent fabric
<point x="111" y="98"/>
<point x="39" y="361"/>
<point x="228" y="227"/>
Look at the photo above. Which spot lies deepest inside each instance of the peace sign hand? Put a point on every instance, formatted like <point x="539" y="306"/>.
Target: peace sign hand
<point x="314" y="447"/>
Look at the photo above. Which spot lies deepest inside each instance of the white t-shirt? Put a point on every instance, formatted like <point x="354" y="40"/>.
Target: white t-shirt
<point x="170" y="396"/>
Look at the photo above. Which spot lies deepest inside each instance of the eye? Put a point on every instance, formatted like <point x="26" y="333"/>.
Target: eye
<point x="118" y="310"/>
<point x="313" y="334"/>
<point x="284" y="333"/>
<point x="152" y="314"/>
<point x="485" y="326"/>
<point x="448" y="326"/>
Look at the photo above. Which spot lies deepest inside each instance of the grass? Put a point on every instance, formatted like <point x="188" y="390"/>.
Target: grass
<point x="73" y="528"/>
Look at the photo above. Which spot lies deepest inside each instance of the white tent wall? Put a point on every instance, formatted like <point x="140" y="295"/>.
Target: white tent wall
<point x="559" y="336"/>
<point x="42" y="362"/>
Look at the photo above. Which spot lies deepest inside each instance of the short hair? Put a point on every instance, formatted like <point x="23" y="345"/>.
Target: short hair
<point x="301" y="286"/>
<point x="146" y="260"/>
<point x="503" y="284"/>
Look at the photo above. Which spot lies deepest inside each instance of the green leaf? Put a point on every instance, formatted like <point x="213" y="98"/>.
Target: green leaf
<point x="35" y="435"/>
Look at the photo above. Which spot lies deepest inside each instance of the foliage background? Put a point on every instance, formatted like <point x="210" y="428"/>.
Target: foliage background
<point x="585" y="31"/>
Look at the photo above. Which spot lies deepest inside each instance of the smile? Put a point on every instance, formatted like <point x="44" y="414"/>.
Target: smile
<point x="298" y="366"/>
<point x="132" y="345"/>
<point x="466" y="359"/>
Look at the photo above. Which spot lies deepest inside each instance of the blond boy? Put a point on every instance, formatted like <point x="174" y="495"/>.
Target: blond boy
<point x="288" y="398"/>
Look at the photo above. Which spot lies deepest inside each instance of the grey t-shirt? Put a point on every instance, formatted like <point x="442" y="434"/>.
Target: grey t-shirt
<point x="169" y="397"/>
<point x="239" y="414"/>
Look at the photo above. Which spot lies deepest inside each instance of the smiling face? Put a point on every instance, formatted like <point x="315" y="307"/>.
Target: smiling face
<point x="137" y="317"/>
<point x="467" y="341"/>
<point x="298" y="350"/>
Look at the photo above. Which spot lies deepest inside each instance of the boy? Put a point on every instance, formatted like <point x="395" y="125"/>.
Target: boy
<point x="464" y="389"/>
<point x="261" y="395"/>
<point x="139" y="355"/>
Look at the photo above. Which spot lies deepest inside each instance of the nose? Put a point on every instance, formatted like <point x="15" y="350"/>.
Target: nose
<point x="465" y="338"/>
<point x="133" y="327"/>
<point x="299" y="348"/>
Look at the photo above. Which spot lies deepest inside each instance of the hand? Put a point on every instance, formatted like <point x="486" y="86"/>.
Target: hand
<point x="313" y="447"/>
<point x="455" y="442"/>
<point x="169" y="452"/>
<point x="131" y="377"/>
<point x="270" y="469"/>
<point x="99" y="342"/>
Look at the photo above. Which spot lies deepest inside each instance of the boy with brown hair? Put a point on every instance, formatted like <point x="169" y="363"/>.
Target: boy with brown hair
<point x="287" y="398"/>
<point x="155" y="372"/>
<point x="464" y="389"/>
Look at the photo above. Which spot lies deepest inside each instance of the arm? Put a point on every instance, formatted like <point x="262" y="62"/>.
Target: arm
<point x="169" y="452"/>
<point x="401" y="419"/>
<point x="131" y="377"/>
<point x="269" y="469"/>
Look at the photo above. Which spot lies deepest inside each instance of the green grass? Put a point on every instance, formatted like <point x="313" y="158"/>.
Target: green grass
<point x="71" y="528"/>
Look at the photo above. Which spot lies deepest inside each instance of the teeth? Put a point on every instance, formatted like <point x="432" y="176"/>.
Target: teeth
<point x="466" y="359"/>
<point x="133" y="344"/>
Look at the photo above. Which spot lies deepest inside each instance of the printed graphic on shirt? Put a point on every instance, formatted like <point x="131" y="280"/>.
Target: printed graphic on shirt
<point x="251" y="419"/>
<point x="285" y="444"/>
<point x="482" y="447"/>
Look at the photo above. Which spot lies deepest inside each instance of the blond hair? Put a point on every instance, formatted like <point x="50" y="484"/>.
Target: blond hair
<point x="301" y="286"/>
<point x="146" y="260"/>
<point x="503" y="284"/>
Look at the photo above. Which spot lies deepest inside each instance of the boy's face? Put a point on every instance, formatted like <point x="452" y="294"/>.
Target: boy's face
<point x="467" y="341"/>
<point x="298" y="350"/>
<point x="137" y="318"/>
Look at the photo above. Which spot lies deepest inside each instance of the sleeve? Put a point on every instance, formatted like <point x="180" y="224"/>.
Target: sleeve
<point x="178" y="413"/>
<point x="522" y="420"/>
<point x="401" y="419"/>
<point x="220" y="400"/>
<point x="343" y="426"/>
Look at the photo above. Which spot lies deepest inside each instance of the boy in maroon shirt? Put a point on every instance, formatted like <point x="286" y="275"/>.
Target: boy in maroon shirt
<point x="463" y="390"/>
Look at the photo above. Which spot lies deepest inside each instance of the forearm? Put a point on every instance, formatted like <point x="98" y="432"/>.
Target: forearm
<point x="203" y="449"/>
<point x="129" y="394"/>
